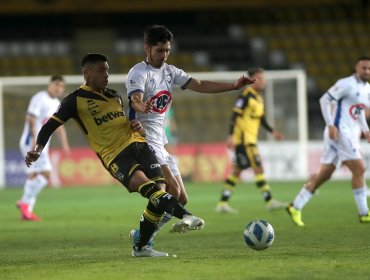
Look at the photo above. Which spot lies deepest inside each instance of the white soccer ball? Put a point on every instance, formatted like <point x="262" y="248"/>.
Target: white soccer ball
<point x="259" y="235"/>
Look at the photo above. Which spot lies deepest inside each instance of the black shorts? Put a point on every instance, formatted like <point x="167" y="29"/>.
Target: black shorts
<point x="137" y="156"/>
<point x="247" y="156"/>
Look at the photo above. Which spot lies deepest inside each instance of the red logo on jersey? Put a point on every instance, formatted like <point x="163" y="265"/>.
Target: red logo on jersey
<point x="161" y="100"/>
<point x="355" y="110"/>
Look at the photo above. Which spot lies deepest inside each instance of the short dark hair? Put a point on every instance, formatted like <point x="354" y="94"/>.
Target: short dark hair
<point x="253" y="71"/>
<point x="364" y="57"/>
<point x="93" y="58"/>
<point x="157" y="34"/>
<point x="56" y="78"/>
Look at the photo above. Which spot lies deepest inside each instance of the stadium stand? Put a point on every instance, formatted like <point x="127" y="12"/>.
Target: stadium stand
<point x="324" y="41"/>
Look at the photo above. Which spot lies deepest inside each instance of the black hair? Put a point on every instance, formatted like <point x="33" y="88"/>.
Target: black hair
<point x="253" y="71"/>
<point x="364" y="57"/>
<point x="93" y="58"/>
<point x="56" y="78"/>
<point x="157" y="34"/>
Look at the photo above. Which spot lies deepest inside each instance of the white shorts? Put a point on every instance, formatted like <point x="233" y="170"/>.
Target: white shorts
<point x="345" y="148"/>
<point x="164" y="158"/>
<point x="43" y="164"/>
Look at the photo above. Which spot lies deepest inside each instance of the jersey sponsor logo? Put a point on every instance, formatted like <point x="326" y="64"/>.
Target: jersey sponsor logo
<point x="161" y="101"/>
<point x="108" y="117"/>
<point x="355" y="110"/>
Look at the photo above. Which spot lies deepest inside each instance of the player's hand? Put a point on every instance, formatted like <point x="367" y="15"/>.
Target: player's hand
<point x="230" y="142"/>
<point x="278" y="135"/>
<point x="243" y="81"/>
<point x="31" y="157"/>
<point x="137" y="126"/>
<point x="141" y="106"/>
<point x="333" y="132"/>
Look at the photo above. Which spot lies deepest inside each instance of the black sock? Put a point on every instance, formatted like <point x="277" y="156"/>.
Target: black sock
<point x="148" y="224"/>
<point x="163" y="200"/>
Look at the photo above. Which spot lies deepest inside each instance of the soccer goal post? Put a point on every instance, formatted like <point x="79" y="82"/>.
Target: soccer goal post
<point x="201" y="119"/>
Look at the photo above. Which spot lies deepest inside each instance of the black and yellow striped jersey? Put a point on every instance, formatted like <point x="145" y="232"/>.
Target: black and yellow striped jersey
<point x="248" y="113"/>
<point x="101" y="117"/>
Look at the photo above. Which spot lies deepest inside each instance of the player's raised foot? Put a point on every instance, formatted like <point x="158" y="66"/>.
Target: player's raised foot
<point x="146" y="251"/>
<point x="188" y="222"/>
<point x="296" y="215"/>
<point x="134" y="235"/>
<point x="224" y="207"/>
<point x="365" y="219"/>
<point x="274" y="204"/>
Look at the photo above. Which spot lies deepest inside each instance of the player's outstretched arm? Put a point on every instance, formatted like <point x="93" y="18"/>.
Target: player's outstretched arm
<point x="204" y="86"/>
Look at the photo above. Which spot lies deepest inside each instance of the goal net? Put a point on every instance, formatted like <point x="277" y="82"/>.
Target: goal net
<point x="202" y="120"/>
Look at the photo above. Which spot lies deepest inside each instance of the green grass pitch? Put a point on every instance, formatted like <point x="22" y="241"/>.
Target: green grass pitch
<point x="84" y="235"/>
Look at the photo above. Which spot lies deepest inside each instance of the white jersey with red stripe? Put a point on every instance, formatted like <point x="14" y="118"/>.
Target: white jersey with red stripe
<point x="156" y="85"/>
<point x="352" y="96"/>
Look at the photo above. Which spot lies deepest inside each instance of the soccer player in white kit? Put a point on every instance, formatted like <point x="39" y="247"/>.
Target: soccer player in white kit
<point x="343" y="108"/>
<point x="149" y="87"/>
<point x="41" y="107"/>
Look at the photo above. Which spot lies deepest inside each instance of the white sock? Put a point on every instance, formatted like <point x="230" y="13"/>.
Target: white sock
<point x="302" y="198"/>
<point x="361" y="200"/>
<point x="31" y="189"/>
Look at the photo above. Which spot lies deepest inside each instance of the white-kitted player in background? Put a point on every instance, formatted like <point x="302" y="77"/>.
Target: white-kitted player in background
<point x="350" y="97"/>
<point x="41" y="107"/>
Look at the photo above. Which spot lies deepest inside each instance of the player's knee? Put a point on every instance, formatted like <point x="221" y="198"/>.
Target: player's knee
<point x="359" y="171"/>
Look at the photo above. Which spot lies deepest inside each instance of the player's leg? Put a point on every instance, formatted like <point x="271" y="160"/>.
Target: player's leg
<point x="37" y="180"/>
<point x="188" y="222"/>
<point x="329" y="160"/>
<point x="240" y="162"/>
<point x="305" y="194"/>
<point x="174" y="186"/>
<point x="132" y="168"/>
<point x="174" y="181"/>
<point x="255" y="163"/>
<point x="159" y="202"/>
<point x="265" y="189"/>
<point x="34" y="184"/>
<point x="171" y="174"/>
<point x="357" y="167"/>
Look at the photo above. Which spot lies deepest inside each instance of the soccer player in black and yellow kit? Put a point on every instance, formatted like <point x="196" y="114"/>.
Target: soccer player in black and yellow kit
<point x="123" y="152"/>
<point x="248" y="115"/>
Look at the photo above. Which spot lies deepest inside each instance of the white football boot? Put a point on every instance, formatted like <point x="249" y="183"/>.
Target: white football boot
<point x="147" y="251"/>
<point x="188" y="222"/>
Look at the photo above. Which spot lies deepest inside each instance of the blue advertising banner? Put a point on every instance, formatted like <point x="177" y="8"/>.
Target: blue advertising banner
<point x="15" y="175"/>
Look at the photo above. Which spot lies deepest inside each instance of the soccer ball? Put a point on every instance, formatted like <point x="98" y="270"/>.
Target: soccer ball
<point x="259" y="235"/>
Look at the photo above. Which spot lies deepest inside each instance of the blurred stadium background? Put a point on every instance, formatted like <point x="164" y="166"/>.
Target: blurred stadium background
<point x="44" y="37"/>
